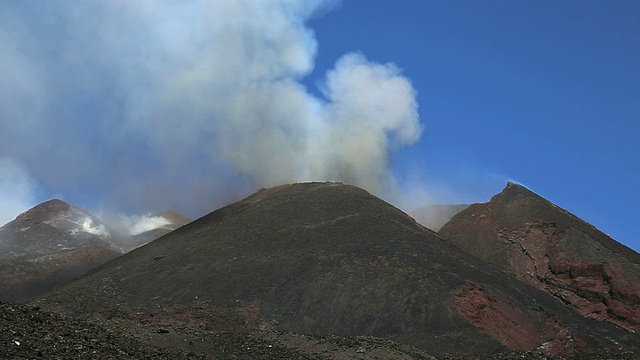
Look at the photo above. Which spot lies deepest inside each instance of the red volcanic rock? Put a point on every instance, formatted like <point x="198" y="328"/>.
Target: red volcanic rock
<point x="497" y="318"/>
<point x="546" y="246"/>
<point x="515" y="327"/>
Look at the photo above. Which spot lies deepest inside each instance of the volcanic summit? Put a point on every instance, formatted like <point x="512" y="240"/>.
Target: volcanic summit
<point x="55" y="242"/>
<point x="543" y="245"/>
<point x="328" y="258"/>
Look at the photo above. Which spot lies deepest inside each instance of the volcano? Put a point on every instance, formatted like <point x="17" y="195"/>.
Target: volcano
<point x="545" y="246"/>
<point x="328" y="258"/>
<point x="55" y="242"/>
<point x="48" y="246"/>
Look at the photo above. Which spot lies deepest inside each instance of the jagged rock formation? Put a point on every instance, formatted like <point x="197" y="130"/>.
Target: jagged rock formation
<point x="545" y="246"/>
<point x="326" y="258"/>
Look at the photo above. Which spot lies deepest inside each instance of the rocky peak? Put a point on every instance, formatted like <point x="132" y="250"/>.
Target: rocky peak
<point x="544" y="245"/>
<point x="55" y="242"/>
<point x="44" y="210"/>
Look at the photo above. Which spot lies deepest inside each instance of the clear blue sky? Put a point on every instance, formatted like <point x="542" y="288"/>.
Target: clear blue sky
<point x="137" y="106"/>
<point x="546" y="93"/>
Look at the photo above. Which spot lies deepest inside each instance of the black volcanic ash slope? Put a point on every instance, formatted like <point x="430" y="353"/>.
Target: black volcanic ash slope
<point x="333" y="259"/>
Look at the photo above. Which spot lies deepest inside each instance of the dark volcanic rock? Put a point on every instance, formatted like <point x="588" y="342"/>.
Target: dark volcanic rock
<point x="28" y="277"/>
<point x="435" y="216"/>
<point x="546" y="246"/>
<point x="326" y="258"/>
<point x="29" y="333"/>
<point x="56" y="242"/>
<point x="51" y="227"/>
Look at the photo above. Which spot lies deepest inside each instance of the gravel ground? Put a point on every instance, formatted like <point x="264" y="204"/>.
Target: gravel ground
<point x="26" y="332"/>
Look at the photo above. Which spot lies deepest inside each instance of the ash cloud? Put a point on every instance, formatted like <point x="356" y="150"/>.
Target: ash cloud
<point x="145" y="105"/>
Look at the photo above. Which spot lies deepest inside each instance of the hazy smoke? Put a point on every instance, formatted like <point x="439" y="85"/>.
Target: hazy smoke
<point x="17" y="190"/>
<point x="87" y="225"/>
<point x="146" y="105"/>
<point x="127" y="226"/>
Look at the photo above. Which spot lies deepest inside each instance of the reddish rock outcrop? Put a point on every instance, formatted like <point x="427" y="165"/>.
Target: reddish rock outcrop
<point x="515" y="327"/>
<point x="545" y="246"/>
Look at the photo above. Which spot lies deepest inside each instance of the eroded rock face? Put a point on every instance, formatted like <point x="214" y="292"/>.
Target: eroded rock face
<point x="545" y="246"/>
<point x="515" y="327"/>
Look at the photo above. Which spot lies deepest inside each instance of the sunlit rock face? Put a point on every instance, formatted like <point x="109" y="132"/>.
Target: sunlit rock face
<point x="545" y="246"/>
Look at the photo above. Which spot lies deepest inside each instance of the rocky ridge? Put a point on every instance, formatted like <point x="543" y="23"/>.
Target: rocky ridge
<point x="545" y="246"/>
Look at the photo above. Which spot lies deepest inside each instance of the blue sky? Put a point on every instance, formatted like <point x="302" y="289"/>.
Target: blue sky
<point x="545" y="93"/>
<point x="138" y="106"/>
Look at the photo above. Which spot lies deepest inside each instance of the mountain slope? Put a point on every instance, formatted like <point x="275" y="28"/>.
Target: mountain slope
<point x="55" y="242"/>
<point x="328" y="258"/>
<point x="51" y="227"/>
<point x="546" y="246"/>
<point x="49" y="245"/>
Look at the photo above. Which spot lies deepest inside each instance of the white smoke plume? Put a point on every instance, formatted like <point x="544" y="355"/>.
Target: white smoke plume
<point x="148" y="223"/>
<point x="87" y="225"/>
<point x="146" y="105"/>
<point x="126" y="226"/>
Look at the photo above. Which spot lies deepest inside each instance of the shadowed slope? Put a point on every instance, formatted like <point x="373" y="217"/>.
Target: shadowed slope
<point x="333" y="259"/>
<point x="546" y="246"/>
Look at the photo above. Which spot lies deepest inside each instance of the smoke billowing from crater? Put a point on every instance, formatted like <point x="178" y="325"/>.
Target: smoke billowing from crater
<point x="147" y="105"/>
